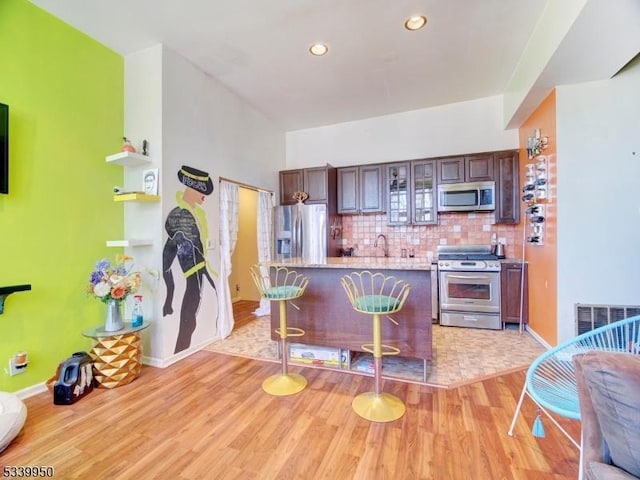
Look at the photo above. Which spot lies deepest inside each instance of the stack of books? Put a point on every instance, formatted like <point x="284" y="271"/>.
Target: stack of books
<point x="362" y="363"/>
<point x="313" y="355"/>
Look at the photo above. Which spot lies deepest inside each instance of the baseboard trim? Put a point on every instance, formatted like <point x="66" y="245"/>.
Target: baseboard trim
<point x="31" y="391"/>
<point x="537" y="337"/>
<point x="164" y="363"/>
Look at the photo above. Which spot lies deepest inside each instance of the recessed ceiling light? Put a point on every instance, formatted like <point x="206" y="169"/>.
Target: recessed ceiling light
<point x="415" y="23"/>
<point x="318" y="49"/>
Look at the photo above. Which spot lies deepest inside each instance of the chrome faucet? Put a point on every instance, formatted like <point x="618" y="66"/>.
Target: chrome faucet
<point x="385" y="248"/>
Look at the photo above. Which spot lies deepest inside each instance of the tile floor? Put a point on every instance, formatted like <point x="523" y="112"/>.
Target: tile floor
<point x="461" y="355"/>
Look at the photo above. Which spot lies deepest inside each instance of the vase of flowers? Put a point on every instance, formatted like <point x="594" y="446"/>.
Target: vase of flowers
<point x="113" y="321"/>
<point x="112" y="283"/>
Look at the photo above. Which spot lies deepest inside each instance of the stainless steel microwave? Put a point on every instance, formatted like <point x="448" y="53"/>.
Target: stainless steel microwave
<point x="467" y="197"/>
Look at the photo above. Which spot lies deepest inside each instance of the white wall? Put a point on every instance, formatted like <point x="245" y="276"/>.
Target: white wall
<point x="143" y="121"/>
<point x="525" y="91"/>
<point x="205" y="122"/>
<point x="466" y="127"/>
<point x="598" y="129"/>
<point x="204" y="126"/>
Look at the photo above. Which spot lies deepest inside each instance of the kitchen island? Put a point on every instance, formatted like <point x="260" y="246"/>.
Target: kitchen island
<point x="328" y="319"/>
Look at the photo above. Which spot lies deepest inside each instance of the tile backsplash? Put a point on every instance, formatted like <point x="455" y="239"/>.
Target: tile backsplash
<point x="360" y="232"/>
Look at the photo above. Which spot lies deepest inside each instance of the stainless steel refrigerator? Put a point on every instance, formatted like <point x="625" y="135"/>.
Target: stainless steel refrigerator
<point x="304" y="231"/>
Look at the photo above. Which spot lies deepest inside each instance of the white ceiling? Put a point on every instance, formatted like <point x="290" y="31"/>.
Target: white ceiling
<point x="259" y="49"/>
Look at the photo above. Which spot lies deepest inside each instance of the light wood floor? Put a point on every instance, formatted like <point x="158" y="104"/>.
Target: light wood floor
<point x="207" y="417"/>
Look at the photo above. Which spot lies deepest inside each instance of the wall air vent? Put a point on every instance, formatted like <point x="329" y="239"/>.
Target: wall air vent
<point x="590" y="317"/>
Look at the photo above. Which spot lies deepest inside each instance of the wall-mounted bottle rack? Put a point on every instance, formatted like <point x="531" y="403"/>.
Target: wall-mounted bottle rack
<point x="535" y="192"/>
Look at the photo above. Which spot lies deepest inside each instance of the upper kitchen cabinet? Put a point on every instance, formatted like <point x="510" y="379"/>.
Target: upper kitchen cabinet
<point x="291" y="181"/>
<point x="507" y="187"/>
<point x="450" y="170"/>
<point x="317" y="182"/>
<point x="411" y="188"/>
<point x="360" y="189"/>
<point x="470" y="168"/>
<point x="398" y="196"/>
<point x="423" y="191"/>
<point x="478" y="168"/>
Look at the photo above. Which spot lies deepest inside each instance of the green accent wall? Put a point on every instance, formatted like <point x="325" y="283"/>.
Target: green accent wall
<point x="65" y="93"/>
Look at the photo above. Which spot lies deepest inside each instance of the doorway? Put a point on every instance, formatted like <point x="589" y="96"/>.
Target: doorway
<point x="244" y="294"/>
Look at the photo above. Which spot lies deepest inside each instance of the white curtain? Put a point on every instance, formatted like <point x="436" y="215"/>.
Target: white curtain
<point x="265" y="236"/>
<point x="229" y="201"/>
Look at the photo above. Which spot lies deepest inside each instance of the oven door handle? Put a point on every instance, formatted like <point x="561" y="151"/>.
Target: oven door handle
<point x="469" y="277"/>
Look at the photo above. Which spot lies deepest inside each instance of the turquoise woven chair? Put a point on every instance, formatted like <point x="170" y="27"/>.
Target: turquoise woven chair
<point x="376" y="294"/>
<point x="282" y="285"/>
<point x="551" y="380"/>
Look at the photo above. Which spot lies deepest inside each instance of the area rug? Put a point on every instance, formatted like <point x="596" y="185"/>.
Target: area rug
<point x="461" y="355"/>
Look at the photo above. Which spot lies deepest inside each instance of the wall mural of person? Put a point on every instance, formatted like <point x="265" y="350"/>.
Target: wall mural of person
<point x="187" y="230"/>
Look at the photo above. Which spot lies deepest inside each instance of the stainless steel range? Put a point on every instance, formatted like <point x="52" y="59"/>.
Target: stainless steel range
<point x="469" y="286"/>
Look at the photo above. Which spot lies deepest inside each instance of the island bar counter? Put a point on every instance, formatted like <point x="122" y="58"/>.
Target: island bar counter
<point x="328" y="319"/>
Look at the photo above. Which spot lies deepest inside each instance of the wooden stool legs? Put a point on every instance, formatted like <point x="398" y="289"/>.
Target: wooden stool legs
<point x="285" y="383"/>
<point x="378" y="406"/>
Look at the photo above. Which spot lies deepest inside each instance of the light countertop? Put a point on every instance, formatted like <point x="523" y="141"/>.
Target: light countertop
<point x="373" y="263"/>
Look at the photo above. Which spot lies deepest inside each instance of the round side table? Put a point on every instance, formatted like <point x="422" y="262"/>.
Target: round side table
<point x="116" y="355"/>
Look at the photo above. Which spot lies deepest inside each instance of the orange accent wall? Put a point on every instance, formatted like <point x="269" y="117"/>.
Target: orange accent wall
<point x="543" y="259"/>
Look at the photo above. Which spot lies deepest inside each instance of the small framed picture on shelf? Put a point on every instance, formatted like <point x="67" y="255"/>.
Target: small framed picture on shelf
<point x="150" y="181"/>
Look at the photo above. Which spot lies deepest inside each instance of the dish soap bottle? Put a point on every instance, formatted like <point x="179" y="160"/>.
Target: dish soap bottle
<point x="136" y="315"/>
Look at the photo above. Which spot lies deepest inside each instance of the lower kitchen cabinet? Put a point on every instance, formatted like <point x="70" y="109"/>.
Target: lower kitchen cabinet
<point x="514" y="292"/>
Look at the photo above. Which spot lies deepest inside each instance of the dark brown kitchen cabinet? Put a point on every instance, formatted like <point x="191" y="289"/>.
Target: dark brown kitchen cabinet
<point x="450" y="170"/>
<point x="507" y="187"/>
<point x="290" y="181"/>
<point x="470" y="168"/>
<point x="360" y="189"/>
<point x="514" y="292"/>
<point x="423" y="192"/>
<point x="410" y="188"/>
<point x="478" y="168"/>
<point x="317" y="182"/>
<point x="397" y="190"/>
<point x="348" y="191"/>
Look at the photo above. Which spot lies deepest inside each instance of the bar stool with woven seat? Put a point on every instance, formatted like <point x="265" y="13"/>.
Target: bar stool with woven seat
<point x="282" y="285"/>
<point x="376" y="294"/>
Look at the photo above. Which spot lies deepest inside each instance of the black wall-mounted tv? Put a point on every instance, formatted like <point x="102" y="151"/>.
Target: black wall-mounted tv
<point x="4" y="148"/>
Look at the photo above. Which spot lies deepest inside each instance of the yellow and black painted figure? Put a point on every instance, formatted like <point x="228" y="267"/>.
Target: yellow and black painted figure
<point x="187" y="231"/>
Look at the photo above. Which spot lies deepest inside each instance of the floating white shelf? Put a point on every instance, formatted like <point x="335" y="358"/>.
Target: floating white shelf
<point x="128" y="159"/>
<point x="134" y="242"/>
